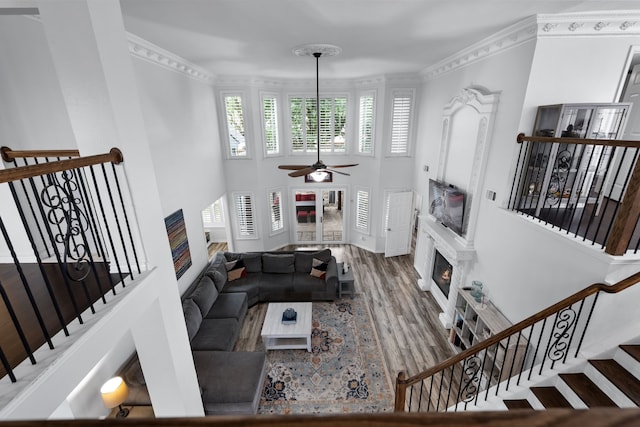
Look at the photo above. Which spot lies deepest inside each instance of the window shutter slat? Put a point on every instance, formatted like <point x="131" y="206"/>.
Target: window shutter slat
<point x="270" y="123"/>
<point x="235" y="125"/>
<point x="365" y="125"/>
<point x="400" y="124"/>
<point x="362" y="210"/>
<point x="277" y="223"/>
<point x="245" y="215"/>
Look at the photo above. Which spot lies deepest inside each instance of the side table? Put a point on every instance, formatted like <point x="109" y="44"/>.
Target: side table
<point x="346" y="285"/>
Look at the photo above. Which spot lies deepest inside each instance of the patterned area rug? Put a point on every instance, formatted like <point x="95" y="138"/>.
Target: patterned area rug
<point x="344" y="373"/>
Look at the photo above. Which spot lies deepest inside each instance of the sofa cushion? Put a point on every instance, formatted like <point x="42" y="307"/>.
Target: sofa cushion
<point x="235" y="270"/>
<point x="276" y="263"/>
<point x="252" y="262"/>
<point x="217" y="271"/>
<point x="216" y="334"/>
<point x="304" y="259"/>
<point x="216" y="369"/>
<point x="205" y="294"/>
<point x="304" y="282"/>
<point x="229" y="305"/>
<point x="319" y="268"/>
<point x="192" y="317"/>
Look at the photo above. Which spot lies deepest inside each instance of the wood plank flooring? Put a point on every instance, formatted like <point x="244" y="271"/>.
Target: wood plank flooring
<point x="406" y="318"/>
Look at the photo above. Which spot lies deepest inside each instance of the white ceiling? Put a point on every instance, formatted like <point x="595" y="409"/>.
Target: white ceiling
<point x="377" y="37"/>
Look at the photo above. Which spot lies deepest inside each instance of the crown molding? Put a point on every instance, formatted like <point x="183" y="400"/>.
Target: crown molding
<point x="589" y="24"/>
<point x="602" y="23"/>
<point x="149" y="52"/>
<point x="510" y="37"/>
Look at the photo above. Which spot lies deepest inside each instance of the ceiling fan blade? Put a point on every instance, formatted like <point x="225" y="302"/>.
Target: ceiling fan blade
<point x="341" y="173"/>
<point x="302" y="172"/>
<point x="342" y="166"/>
<point x="293" y="167"/>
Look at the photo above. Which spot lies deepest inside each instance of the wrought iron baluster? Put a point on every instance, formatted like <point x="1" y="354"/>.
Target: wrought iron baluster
<point x="471" y="370"/>
<point x="584" y="331"/>
<point x="535" y="354"/>
<point x="126" y="218"/>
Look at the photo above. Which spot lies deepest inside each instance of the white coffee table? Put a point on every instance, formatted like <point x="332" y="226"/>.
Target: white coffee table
<point x="277" y="335"/>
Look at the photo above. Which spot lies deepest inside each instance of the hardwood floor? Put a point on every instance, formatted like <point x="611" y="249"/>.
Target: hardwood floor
<point x="406" y="318"/>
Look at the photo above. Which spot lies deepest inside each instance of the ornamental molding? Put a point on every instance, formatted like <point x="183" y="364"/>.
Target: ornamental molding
<point x="601" y="23"/>
<point x="147" y="51"/>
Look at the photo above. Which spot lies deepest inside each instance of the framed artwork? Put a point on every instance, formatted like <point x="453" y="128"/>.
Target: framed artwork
<point x="178" y="242"/>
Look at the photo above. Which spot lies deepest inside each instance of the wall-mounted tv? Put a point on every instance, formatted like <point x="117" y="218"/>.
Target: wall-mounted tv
<point x="446" y="204"/>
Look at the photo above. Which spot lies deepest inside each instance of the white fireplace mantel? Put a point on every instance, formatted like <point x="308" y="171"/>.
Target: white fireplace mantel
<point x="436" y="237"/>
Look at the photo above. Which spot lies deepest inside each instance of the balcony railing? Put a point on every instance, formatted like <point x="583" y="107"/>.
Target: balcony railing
<point x="588" y="188"/>
<point x="69" y="242"/>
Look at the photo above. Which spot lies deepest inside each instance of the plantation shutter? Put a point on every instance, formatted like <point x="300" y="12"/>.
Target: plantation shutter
<point x="235" y="125"/>
<point x="365" y="125"/>
<point x="333" y="117"/>
<point x="400" y="124"/>
<point x="362" y="210"/>
<point x="218" y="216"/>
<point x="207" y="217"/>
<point x="277" y="223"/>
<point x="244" y="215"/>
<point x="270" y="124"/>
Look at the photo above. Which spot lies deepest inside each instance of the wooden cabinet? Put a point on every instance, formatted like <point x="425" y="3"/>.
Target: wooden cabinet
<point x="565" y="175"/>
<point x="475" y="321"/>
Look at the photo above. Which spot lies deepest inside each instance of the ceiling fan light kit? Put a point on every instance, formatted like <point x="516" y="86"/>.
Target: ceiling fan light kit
<point x="317" y="171"/>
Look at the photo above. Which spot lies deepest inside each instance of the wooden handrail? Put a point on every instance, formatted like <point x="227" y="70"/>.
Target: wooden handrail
<point x="8" y="154"/>
<point x="23" y="172"/>
<point x="602" y="417"/>
<point x="582" y="141"/>
<point x="512" y="330"/>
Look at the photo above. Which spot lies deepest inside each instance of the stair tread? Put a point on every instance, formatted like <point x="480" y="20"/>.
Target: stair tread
<point x="550" y="397"/>
<point x="517" y="404"/>
<point x="620" y="377"/>
<point x="587" y="390"/>
<point x="633" y="350"/>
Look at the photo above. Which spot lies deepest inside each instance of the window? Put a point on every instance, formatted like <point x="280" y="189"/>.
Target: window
<point x="333" y="118"/>
<point x="275" y="202"/>
<point x="401" y="123"/>
<point x="270" y="124"/>
<point x="362" y="210"/>
<point x="244" y="215"/>
<point x="235" y="126"/>
<point x="365" y="125"/>
<point x="212" y="216"/>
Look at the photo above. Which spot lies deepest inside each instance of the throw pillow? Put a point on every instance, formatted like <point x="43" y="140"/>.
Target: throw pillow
<point x="319" y="268"/>
<point x="235" y="270"/>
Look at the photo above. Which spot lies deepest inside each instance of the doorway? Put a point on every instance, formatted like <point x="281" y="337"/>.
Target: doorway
<point x="319" y="215"/>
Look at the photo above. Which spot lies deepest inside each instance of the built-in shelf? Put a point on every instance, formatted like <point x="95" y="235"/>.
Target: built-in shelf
<point x="473" y="322"/>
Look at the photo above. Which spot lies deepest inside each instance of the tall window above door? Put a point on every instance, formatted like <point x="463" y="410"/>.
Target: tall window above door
<point x="270" y="124"/>
<point x="333" y="124"/>
<point x="401" y="115"/>
<point x="235" y="119"/>
<point x="365" y="123"/>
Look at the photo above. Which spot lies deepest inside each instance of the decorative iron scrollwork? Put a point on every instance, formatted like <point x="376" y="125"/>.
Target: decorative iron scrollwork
<point x="471" y="378"/>
<point x="70" y="223"/>
<point x="560" y="334"/>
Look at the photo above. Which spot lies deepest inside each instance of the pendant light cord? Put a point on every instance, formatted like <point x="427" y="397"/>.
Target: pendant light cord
<point x="317" y="55"/>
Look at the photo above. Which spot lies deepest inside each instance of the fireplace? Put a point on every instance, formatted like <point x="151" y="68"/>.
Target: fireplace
<point x="442" y="273"/>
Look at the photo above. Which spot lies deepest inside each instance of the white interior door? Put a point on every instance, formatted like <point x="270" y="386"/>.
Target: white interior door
<point x="399" y="217"/>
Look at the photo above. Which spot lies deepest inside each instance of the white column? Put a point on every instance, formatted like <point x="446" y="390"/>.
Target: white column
<point x="89" y="49"/>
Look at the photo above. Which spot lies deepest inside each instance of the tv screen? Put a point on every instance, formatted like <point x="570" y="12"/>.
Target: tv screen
<point x="446" y="204"/>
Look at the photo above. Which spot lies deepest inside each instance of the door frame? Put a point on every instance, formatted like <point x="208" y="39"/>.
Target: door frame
<point x="319" y="189"/>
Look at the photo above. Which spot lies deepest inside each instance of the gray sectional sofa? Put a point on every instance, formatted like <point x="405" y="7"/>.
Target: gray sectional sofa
<point x="214" y="307"/>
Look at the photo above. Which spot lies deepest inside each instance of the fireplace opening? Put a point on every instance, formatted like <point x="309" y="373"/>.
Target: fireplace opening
<point x="441" y="273"/>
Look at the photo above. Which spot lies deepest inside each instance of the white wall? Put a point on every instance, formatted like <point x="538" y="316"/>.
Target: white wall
<point x="524" y="265"/>
<point x="180" y="118"/>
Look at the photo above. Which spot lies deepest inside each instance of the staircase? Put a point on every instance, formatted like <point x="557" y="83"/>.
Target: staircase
<point x="613" y="382"/>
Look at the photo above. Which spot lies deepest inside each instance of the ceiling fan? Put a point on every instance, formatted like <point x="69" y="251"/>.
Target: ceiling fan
<point x="318" y="171"/>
